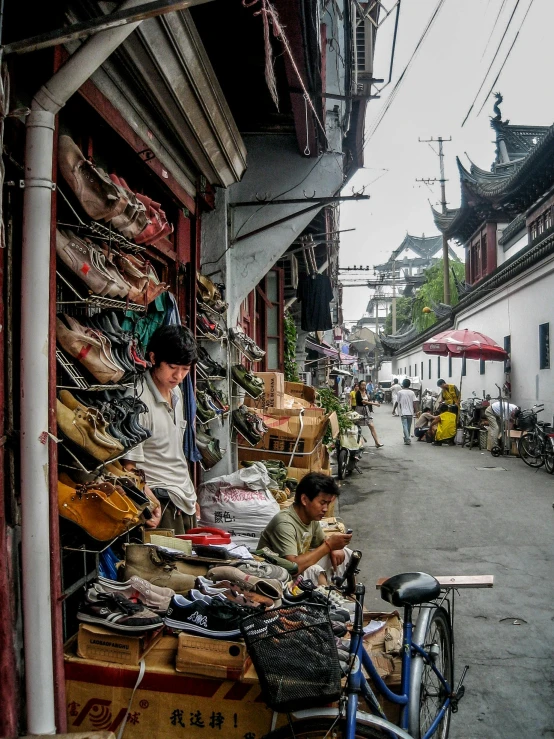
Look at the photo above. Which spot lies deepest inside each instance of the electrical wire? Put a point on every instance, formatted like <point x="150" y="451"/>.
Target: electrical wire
<point x="506" y="58"/>
<point x="492" y="62"/>
<point x="398" y="84"/>
<point x="493" y="28"/>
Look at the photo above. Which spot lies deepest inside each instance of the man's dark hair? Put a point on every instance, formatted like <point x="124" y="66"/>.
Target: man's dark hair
<point x="440" y="383"/>
<point x="406" y="383"/>
<point x="174" y="345"/>
<point x="444" y="407"/>
<point x="313" y="484"/>
<point x="395" y="381"/>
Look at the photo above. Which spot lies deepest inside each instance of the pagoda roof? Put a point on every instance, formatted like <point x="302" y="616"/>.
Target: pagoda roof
<point x="519" y="140"/>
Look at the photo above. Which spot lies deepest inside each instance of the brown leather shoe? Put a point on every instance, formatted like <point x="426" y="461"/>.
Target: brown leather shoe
<point x="143" y="560"/>
<point x="101" y="434"/>
<point x="78" y="426"/>
<point x="90" y="350"/>
<point x="94" y="511"/>
<point x="98" y="195"/>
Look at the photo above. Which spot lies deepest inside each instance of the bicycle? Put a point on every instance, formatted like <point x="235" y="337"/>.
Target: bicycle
<point x="536" y="445"/>
<point x="427" y="697"/>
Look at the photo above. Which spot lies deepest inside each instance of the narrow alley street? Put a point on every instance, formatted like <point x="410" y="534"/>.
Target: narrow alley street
<point x="451" y="511"/>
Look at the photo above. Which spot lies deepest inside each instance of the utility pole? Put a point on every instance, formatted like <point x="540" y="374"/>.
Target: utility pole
<point x="394" y="296"/>
<point x="446" y="271"/>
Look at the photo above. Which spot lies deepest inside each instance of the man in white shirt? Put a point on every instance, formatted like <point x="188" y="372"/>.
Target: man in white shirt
<point x="492" y="414"/>
<point x="172" y="351"/>
<point x="395" y="389"/>
<point x="407" y="401"/>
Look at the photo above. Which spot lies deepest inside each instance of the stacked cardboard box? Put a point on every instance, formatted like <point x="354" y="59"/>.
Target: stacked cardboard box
<point x="274" y="391"/>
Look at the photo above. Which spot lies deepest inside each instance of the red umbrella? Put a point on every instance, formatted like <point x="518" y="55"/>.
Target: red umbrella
<point x="465" y="343"/>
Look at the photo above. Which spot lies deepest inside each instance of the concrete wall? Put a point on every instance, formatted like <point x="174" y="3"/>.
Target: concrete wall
<point x="516" y="310"/>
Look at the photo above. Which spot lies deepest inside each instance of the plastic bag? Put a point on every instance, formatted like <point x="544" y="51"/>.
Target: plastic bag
<point x="239" y="503"/>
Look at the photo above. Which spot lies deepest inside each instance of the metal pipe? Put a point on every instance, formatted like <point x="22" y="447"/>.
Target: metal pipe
<point x="35" y="333"/>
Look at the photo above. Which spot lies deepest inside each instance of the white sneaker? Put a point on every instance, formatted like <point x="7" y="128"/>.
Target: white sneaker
<point x="153" y="596"/>
<point x="336" y="600"/>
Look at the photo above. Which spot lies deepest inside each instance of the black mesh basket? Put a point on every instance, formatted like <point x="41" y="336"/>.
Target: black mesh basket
<point x="294" y="652"/>
<point x="526" y="420"/>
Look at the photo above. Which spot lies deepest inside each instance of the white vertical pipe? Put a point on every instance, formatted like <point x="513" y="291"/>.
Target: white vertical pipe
<point x="35" y="299"/>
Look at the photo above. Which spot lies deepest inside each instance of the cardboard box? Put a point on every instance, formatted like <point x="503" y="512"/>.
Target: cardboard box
<point x="310" y="462"/>
<point x="99" y="643"/>
<point x="318" y="463"/>
<point x="166" y="704"/>
<point x="273" y="395"/>
<point x="299" y="390"/>
<point x="385" y="645"/>
<point x="197" y="655"/>
<point x="285" y="426"/>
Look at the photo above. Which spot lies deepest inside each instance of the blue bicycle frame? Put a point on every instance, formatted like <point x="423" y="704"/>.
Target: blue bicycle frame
<point x="357" y="683"/>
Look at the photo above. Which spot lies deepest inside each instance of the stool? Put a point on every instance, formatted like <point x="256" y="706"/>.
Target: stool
<point x="471" y="435"/>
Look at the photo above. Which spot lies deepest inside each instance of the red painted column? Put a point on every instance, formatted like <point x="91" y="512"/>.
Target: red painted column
<point x="491" y="248"/>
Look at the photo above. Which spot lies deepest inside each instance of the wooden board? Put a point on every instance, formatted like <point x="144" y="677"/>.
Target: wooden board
<point x="456" y="581"/>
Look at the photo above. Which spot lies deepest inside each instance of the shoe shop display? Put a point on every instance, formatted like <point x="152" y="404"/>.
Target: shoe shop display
<point x="211" y="617"/>
<point x="265" y="570"/>
<point x="205" y="410"/>
<point x="209" y="449"/>
<point x="114" y="611"/>
<point x="90" y="351"/>
<point x="207" y="327"/>
<point x="246" y="345"/>
<point x="145" y="562"/>
<point x="209" y="295"/>
<point x="269" y="587"/>
<point x="213" y="370"/>
<point x="218" y="398"/>
<point x="136" y="588"/>
<point x="253" y="385"/>
<point x="249" y="424"/>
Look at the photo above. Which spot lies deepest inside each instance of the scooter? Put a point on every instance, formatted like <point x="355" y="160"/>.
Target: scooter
<point x="349" y="447"/>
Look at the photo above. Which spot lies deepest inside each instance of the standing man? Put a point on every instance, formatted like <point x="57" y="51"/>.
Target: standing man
<point x="172" y="352"/>
<point x="449" y="394"/>
<point x="492" y="414"/>
<point x="407" y="401"/>
<point x="395" y="389"/>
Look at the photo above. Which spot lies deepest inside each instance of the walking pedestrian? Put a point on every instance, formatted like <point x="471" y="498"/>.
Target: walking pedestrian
<point x="364" y="406"/>
<point x="406" y="399"/>
<point x="396" y="387"/>
<point x="353" y="392"/>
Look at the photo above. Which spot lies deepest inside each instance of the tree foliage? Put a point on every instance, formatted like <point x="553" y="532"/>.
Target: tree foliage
<point x="432" y="292"/>
<point x="291" y="336"/>
<point x="403" y="314"/>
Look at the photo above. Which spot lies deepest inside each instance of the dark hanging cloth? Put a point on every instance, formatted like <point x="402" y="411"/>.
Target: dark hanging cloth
<point x="315" y="293"/>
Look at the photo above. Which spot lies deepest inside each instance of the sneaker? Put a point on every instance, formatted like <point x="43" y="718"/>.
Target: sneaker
<point x="137" y="588"/>
<point x="203" y="410"/>
<point x="253" y="385"/>
<point x="215" y="369"/>
<point x="246" y="345"/>
<point x="210" y="616"/>
<point x="116" y="612"/>
<point x="312" y="596"/>
<point x="208" y="328"/>
<point x="246" y="423"/>
<point x="336" y="600"/>
<point x="265" y="570"/>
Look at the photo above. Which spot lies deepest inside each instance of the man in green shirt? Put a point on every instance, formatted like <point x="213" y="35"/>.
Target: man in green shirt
<point x="295" y="533"/>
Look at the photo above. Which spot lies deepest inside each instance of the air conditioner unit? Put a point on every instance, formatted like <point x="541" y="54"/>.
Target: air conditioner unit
<point x="364" y="38"/>
<point x="305" y="377"/>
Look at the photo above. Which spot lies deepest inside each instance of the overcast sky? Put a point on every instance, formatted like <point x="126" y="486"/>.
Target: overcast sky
<point x="433" y="100"/>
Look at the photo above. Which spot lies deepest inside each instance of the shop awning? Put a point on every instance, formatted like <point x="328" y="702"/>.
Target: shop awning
<point x="328" y="351"/>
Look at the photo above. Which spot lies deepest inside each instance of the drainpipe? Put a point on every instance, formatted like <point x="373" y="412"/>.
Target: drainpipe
<point x="35" y="335"/>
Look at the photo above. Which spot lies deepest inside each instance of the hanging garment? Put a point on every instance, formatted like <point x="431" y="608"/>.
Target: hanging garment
<point x="315" y="293"/>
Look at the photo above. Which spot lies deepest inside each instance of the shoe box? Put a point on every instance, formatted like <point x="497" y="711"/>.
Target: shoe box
<point x="197" y="655"/>
<point x="106" y="645"/>
<point x="298" y="390"/>
<point x="384" y="645"/>
<point x="273" y="395"/>
<point x="166" y="703"/>
<point x="317" y="462"/>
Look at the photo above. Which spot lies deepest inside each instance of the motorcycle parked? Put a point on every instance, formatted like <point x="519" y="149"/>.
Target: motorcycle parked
<point x="349" y="447"/>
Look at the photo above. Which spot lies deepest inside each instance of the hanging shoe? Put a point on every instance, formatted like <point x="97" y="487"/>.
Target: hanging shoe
<point x="246" y="424"/>
<point x="253" y="385"/>
<point x="208" y="328"/>
<point x="246" y="345"/>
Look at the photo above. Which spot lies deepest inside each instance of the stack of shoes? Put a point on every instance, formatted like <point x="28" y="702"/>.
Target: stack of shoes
<point x="208" y="327"/>
<point x="114" y="611"/>
<point x="137" y="589"/>
<point x="157" y="567"/>
<point x="204" y="615"/>
<point x="110" y="354"/>
<point x="249" y="424"/>
<point x="88" y="429"/>
<point x="233" y="592"/>
<point x="207" y="407"/>
<point x="142" y="275"/>
<point x="308" y="593"/>
<point x="108" y="198"/>
<point x="246" y="345"/>
<point x="209" y="295"/>
<point x="217" y="397"/>
<point x="208" y="368"/>
<point x="209" y="449"/>
<point x="253" y="385"/>
<point x="254" y="585"/>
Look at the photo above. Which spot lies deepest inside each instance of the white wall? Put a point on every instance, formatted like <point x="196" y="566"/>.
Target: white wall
<point x="512" y="247"/>
<point x="516" y="310"/>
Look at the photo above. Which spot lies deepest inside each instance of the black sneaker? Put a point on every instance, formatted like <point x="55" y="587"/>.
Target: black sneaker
<point x="208" y="617"/>
<point x="246" y="424"/>
<point x="116" y="612"/>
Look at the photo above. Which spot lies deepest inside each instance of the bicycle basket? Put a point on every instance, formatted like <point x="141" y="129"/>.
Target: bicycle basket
<point x="527" y="420"/>
<point x="294" y="652"/>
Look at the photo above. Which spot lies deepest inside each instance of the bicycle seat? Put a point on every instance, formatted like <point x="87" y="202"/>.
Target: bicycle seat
<point x="410" y="589"/>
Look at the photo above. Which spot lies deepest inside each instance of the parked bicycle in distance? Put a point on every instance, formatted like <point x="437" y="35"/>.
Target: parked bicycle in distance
<point x="536" y="444"/>
<point x="427" y="696"/>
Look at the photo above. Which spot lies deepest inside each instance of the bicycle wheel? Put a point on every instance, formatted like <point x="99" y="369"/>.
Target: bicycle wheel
<point x="325" y="728"/>
<point x="549" y="456"/>
<point x="530" y="449"/>
<point x="430" y="693"/>
<point x="342" y="462"/>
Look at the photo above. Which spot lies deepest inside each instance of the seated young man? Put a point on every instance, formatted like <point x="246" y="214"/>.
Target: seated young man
<point x="445" y="425"/>
<point x="423" y="425"/>
<point x="295" y="533"/>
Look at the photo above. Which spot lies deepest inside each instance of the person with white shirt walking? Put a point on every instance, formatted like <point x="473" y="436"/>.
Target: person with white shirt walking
<point x="396" y="387"/>
<point x="407" y="401"/>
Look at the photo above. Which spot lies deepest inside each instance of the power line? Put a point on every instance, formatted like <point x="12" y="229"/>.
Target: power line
<point x="490" y="65"/>
<point x="506" y="57"/>
<point x="493" y="28"/>
<point x="396" y="88"/>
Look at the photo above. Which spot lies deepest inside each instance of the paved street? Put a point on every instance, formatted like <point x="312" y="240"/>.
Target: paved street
<point x="427" y="508"/>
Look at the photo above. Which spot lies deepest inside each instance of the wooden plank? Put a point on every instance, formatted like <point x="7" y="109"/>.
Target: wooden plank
<point x="456" y="581"/>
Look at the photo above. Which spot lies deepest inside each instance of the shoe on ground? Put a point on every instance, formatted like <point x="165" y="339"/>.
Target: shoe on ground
<point x="116" y="612"/>
<point x="137" y="588"/>
<point x="210" y="617"/>
<point x="379" y="446"/>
